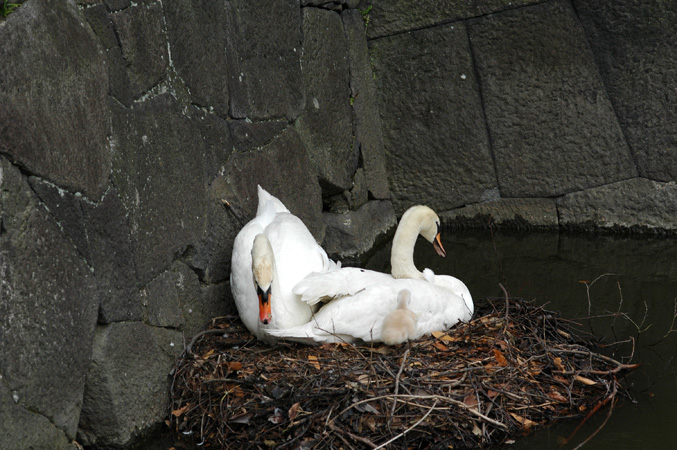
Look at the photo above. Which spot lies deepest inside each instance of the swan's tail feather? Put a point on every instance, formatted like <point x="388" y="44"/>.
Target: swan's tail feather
<point x="266" y="199"/>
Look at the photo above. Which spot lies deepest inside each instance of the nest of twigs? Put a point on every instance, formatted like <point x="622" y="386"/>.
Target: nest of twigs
<point x="512" y="369"/>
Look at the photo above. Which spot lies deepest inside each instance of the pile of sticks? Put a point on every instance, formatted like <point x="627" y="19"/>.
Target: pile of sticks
<point x="514" y="368"/>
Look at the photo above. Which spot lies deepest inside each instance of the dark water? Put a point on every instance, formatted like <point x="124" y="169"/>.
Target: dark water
<point x="637" y="277"/>
<point x="640" y="281"/>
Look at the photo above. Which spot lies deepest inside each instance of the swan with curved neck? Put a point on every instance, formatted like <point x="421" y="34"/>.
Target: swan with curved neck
<point x="277" y="308"/>
<point x="288" y="254"/>
<point x="417" y="220"/>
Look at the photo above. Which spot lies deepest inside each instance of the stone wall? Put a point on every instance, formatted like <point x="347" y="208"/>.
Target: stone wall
<point x="124" y="124"/>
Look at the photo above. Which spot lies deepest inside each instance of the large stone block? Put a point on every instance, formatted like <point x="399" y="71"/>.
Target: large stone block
<point x="48" y="307"/>
<point x="354" y="234"/>
<point x="140" y="30"/>
<point x="638" y="203"/>
<point x="54" y="117"/>
<point x="635" y="47"/>
<point x="159" y="171"/>
<point x="553" y="129"/>
<point x="389" y="17"/>
<point x="368" y="134"/>
<point x="177" y="299"/>
<point x="437" y="149"/>
<point x="127" y="383"/>
<point x="263" y="58"/>
<point x="26" y="430"/>
<point x="326" y="123"/>
<point x="198" y="32"/>
<point x="112" y="257"/>
<point x="101" y="235"/>
<point x="281" y="167"/>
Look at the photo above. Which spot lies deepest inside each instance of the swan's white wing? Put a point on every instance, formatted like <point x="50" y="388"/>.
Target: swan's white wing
<point x="345" y="319"/>
<point x="342" y="282"/>
<point x="360" y="316"/>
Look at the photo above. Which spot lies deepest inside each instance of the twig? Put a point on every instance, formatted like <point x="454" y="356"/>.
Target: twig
<point x="507" y="306"/>
<point x="598" y="356"/>
<point x="351" y="435"/>
<point x="610" y="398"/>
<point x="230" y="208"/>
<point x="672" y="325"/>
<point x="589" y="285"/>
<point x="397" y="385"/>
<point x="408" y="429"/>
<point x="429" y="397"/>
<point x="189" y="348"/>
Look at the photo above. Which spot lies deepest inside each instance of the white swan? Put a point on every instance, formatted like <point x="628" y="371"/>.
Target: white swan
<point x="361" y="299"/>
<point x="361" y="316"/>
<point x="399" y="325"/>
<point x="294" y="254"/>
<point x="416" y="220"/>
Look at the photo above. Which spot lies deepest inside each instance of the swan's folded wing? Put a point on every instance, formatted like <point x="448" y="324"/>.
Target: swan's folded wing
<point x="341" y="282"/>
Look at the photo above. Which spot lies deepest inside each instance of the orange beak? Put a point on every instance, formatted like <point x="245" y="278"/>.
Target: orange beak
<point x="437" y="245"/>
<point x="265" y="313"/>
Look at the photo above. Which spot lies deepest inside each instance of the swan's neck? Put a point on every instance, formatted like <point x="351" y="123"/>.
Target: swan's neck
<point x="402" y="253"/>
<point x="287" y="308"/>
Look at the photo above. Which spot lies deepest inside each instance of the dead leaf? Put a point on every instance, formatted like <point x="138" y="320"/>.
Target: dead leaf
<point x="500" y="359"/>
<point x="293" y="411"/>
<point x="235" y="365"/>
<point x="438" y="334"/>
<point x="535" y="368"/>
<point x="364" y="378"/>
<point x="470" y="400"/>
<point x="269" y="443"/>
<point x="584" y="380"/>
<point x="557" y="397"/>
<point x="314" y="362"/>
<point x="277" y="417"/>
<point x="440" y="346"/>
<point x="526" y="423"/>
<point x="369" y="421"/>
<point x="561" y="379"/>
<point x="180" y="411"/>
<point x="208" y="354"/>
<point x="476" y="430"/>
<point x="558" y="363"/>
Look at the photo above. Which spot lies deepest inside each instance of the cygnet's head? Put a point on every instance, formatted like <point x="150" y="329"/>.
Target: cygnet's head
<point x="403" y="299"/>
<point x="263" y="268"/>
